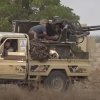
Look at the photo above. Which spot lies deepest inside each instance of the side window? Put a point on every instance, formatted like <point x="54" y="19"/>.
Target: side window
<point x="13" y="47"/>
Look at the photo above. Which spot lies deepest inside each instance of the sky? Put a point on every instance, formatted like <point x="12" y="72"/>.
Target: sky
<point x="88" y="10"/>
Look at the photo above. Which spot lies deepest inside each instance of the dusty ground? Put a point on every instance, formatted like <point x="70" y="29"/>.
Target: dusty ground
<point x="88" y="91"/>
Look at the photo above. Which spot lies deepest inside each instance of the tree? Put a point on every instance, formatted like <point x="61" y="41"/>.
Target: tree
<point x="32" y="10"/>
<point x="50" y="8"/>
<point x="97" y="38"/>
<point x="50" y="11"/>
<point x="9" y="12"/>
<point x="41" y="3"/>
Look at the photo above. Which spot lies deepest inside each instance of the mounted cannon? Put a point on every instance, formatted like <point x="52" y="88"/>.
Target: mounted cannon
<point x="69" y="33"/>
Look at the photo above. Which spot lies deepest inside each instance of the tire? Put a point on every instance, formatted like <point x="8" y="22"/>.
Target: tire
<point x="57" y="81"/>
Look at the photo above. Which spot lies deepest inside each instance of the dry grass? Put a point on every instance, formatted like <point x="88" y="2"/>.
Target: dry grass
<point x="12" y="92"/>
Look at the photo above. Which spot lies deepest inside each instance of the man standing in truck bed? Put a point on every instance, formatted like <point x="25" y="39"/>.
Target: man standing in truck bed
<point x="39" y="31"/>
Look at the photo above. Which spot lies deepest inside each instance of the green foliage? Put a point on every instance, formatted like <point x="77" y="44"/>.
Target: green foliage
<point x="9" y="12"/>
<point x="97" y="38"/>
<point x="4" y="24"/>
<point x="22" y="10"/>
<point x="50" y="11"/>
<point x="40" y="3"/>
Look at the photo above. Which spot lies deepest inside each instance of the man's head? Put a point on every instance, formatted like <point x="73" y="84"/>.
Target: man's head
<point x="44" y="22"/>
<point x="7" y="45"/>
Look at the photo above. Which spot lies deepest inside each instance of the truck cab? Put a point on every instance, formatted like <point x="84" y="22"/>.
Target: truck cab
<point x="13" y="64"/>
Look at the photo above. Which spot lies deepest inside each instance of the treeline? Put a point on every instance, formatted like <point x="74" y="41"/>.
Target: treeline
<point x="32" y="10"/>
<point x="97" y="38"/>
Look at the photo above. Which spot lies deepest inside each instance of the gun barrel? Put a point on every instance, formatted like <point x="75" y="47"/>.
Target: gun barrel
<point x="91" y="28"/>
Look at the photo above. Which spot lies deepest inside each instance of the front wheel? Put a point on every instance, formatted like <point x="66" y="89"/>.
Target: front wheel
<point x="57" y="81"/>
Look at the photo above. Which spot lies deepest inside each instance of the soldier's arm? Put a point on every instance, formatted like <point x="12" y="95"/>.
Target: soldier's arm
<point x="45" y="34"/>
<point x="48" y="37"/>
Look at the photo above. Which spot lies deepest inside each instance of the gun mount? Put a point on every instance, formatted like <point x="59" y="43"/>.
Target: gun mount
<point x="69" y="33"/>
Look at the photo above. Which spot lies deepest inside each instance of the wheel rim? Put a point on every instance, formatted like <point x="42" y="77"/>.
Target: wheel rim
<point x="57" y="84"/>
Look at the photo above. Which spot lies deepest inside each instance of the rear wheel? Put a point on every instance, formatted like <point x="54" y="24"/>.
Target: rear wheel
<point x="57" y="81"/>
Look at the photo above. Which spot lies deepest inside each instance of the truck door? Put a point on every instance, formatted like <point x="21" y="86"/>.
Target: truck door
<point x="14" y="63"/>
